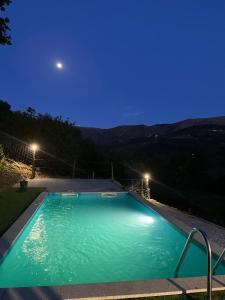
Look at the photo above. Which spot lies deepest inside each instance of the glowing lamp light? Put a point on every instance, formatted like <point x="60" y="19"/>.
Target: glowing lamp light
<point x="147" y="176"/>
<point x="34" y="147"/>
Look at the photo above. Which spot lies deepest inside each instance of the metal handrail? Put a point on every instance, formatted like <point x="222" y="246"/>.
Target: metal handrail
<point x="218" y="261"/>
<point x="209" y="258"/>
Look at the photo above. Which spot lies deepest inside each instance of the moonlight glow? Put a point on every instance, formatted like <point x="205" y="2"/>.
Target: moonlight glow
<point x="59" y="65"/>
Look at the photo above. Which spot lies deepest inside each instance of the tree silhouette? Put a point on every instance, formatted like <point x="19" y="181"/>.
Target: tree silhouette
<point x="5" y="39"/>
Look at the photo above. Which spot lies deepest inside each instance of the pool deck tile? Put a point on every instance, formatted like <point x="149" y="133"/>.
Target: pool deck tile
<point x="76" y="185"/>
<point x="115" y="290"/>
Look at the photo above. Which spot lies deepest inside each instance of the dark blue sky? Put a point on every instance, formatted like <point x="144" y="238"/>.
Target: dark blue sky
<point x="126" y="61"/>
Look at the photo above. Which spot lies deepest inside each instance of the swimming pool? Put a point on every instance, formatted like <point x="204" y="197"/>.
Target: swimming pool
<point x="93" y="238"/>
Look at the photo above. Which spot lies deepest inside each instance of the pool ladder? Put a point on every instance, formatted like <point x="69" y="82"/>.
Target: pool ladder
<point x="209" y="258"/>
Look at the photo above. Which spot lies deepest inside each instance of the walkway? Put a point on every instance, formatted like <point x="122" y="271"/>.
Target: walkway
<point x="76" y="185"/>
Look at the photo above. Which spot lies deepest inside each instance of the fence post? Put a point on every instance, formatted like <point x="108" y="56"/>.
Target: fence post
<point x="142" y="187"/>
<point x="112" y="171"/>
<point x="33" y="165"/>
<point x="74" y="168"/>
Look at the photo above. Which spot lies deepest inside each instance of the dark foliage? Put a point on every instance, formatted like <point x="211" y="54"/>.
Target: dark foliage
<point x="5" y="38"/>
<point x="60" y="142"/>
<point x="188" y="168"/>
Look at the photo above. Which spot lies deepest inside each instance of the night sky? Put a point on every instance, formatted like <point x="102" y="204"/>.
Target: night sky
<point x="124" y="61"/>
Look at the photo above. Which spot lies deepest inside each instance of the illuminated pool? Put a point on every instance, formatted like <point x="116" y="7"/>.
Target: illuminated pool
<point x="92" y="238"/>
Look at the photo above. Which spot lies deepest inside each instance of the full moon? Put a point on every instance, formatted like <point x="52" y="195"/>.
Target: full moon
<point x="59" y="65"/>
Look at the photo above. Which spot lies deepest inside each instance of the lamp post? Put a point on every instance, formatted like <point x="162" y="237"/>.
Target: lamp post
<point x="74" y="168"/>
<point x="146" y="178"/>
<point x="34" y="148"/>
<point x="112" y="171"/>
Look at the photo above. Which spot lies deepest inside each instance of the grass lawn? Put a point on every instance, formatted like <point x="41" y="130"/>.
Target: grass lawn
<point x="13" y="202"/>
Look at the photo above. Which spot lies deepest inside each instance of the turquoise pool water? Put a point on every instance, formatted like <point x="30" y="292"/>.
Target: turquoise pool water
<point x="90" y="239"/>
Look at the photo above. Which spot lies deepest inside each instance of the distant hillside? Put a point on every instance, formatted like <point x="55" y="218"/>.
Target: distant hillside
<point x="185" y="160"/>
<point x="126" y="133"/>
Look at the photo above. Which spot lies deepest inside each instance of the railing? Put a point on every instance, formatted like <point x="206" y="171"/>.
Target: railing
<point x="209" y="258"/>
<point x="218" y="261"/>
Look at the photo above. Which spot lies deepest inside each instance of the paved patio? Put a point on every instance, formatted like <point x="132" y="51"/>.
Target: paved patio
<point x="76" y="185"/>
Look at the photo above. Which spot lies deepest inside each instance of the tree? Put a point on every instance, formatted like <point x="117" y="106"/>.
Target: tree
<point x="5" y="110"/>
<point x="5" y="39"/>
<point x="31" y="111"/>
<point x="4" y="106"/>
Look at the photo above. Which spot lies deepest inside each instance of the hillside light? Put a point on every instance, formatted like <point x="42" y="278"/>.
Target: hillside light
<point x="34" y="148"/>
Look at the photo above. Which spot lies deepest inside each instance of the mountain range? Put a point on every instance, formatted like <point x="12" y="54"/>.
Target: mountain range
<point x="128" y="133"/>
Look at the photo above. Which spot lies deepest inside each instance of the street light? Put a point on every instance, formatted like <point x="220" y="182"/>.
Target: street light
<point x="34" y="148"/>
<point x="147" y="176"/>
<point x="146" y="188"/>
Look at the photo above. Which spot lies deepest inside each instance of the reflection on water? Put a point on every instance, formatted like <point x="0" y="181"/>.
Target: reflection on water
<point x="146" y="219"/>
<point x="35" y="245"/>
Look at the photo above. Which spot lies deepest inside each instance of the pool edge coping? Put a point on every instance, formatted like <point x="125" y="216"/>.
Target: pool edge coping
<point x="111" y="290"/>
